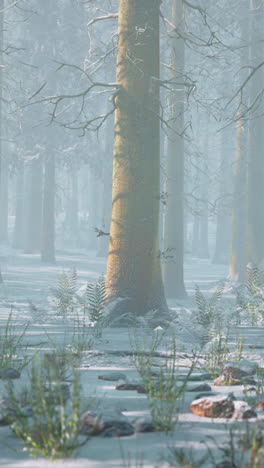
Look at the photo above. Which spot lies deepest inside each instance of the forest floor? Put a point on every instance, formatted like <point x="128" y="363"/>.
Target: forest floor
<point x="27" y="281"/>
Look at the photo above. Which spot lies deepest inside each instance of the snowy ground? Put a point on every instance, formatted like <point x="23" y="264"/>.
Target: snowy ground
<point x="26" y="278"/>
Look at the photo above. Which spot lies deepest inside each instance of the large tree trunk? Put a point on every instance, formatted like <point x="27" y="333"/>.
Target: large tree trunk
<point x="174" y="214"/>
<point x="133" y="269"/>
<point x="48" y="219"/>
<point x="256" y="141"/>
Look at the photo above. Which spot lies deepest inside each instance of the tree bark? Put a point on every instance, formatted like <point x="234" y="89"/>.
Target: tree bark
<point x="34" y="211"/>
<point x="223" y="218"/>
<point x="256" y="159"/>
<point x="174" y="214"/>
<point x="48" y="220"/>
<point x="237" y="266"/>
<point x="18" y="234"/>
<point x="133" y="268"/>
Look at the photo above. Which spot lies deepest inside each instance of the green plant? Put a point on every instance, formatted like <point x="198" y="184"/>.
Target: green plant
<point x="243" y="448"/>
<point x="64" y="299"/>
<point x="10" y="342"/>
<point x="164" y="389"/>
<point x="73" y="303"/>
<point x="250" y="297"/>
<point x="208" y="314"/>
<point x="186" y="458"/>
<point x="53" y="429"/>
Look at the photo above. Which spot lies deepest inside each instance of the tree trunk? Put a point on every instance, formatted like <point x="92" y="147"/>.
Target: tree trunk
<point x="18" y="234"/>
<point x="48" y="220"/>
<point x="4" y="201"/>
<point x="203" y="248"/>
<point x="223" y="219"/>
<point x="107" y="192"/>
<point x="238" y="257"/>
<point x="174" y="214"/>
<point x="34" y="211"/>
<point x="133" y="269"/>
<point x="237" y="267"/>
<point x="256" y="159"/>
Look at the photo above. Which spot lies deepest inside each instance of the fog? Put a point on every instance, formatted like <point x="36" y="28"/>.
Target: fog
<point x="131" y="198"/>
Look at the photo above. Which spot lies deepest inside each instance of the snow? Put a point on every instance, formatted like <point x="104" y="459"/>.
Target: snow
<point x="26" y="278"/>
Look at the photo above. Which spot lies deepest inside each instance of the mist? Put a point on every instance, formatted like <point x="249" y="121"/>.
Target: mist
<point x="131" y="233"/>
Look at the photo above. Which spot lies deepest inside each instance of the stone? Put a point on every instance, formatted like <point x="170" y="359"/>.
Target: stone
<point x="144" y="425"/>
<point x="195" y="377"/>
<point x="259" y="405"/>
<point x="113" y="376"/>
<point x="234" y="379"/>
<point x="226" y="380"/>
<point x="219" y="406"/>
<point x="7" y="414"/>
<point x="55" y="391"/>
<point x="107" y="424"/>
<point x="205" y="394"/>
<point x="241" y="368"/>
<point x="199" y="388"/>
<point x="9" y="373"/>
<point x="243" y="411"/>
<point x="132" y="386"/>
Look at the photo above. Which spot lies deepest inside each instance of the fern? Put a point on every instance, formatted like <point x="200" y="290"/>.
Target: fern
<point x="208" y="312"/>
<point x="251" y="299"/>
<point x="95" y="299"/>
<point x="65" y="293"/>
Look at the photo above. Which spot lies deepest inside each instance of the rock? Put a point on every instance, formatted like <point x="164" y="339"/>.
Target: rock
<point x="144" y="425"/>
<point x="108" y="424"/>
<point x="219" y="406"/>
<point x="234" y="379"/>
<point x="195" y="377"/>
<point x="113" y="376"/>
<point x="131" y="386"/>
<point x="259" y="405"/>
<point x="199" y="388"/>
<point x="226" y="380"/>
<point x="7" y="414"/>
<point x="243" y="411"/>
<point x="241" y="368"/>
<point x="9" y="373"/>
<point x="55" y="391"/>
<point x="205" y="394"/>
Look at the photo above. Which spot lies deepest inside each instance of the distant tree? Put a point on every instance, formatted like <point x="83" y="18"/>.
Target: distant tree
<point x="256" y="136"/>
<point x="174" y="211"/>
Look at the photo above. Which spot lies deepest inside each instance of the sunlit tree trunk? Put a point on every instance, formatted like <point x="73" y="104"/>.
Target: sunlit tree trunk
<point x="48" y="219"/>
<point x="174" y="214"/>
<point x="133" y="269"/>
<point x="256" y="139"/>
